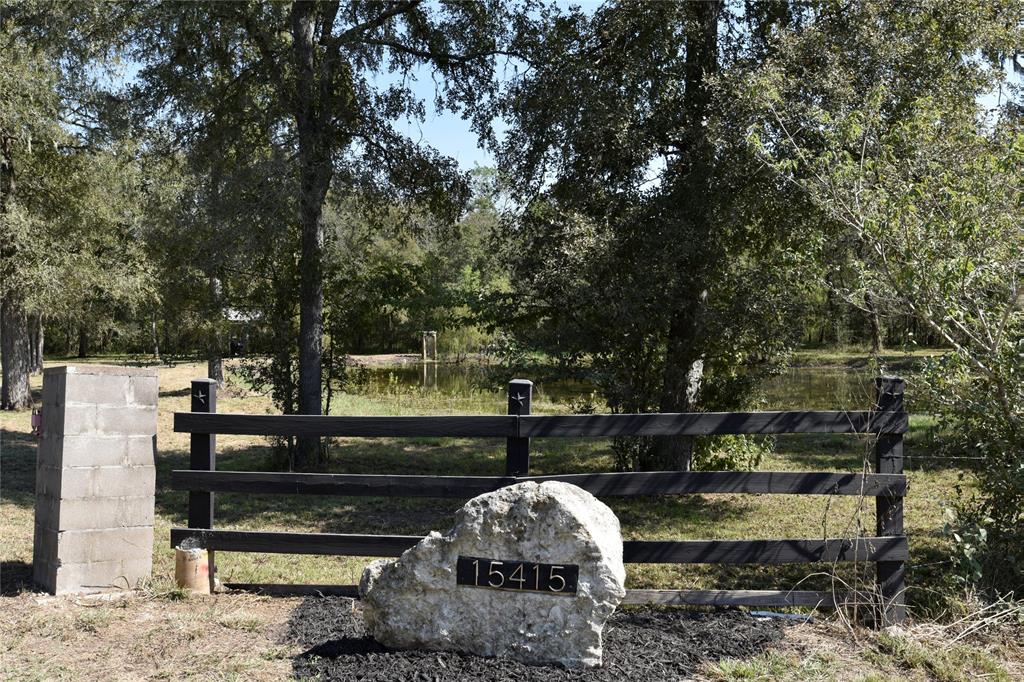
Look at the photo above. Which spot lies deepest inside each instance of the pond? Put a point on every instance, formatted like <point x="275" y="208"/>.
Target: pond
<point x="812" y="388"/>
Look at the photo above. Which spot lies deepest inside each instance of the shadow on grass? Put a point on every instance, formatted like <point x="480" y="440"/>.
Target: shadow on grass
<point x="843" y="452"/>
<point x="178" y="393"/>
<point x="826" y="451"/>
<point x="15" y="577"/>
<point x="18" y="463"/>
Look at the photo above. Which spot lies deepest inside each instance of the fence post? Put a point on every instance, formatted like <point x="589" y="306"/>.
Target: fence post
<point x="203" y="457"/>
<point x="889" y="509"/>
<point x="517" y="450"/>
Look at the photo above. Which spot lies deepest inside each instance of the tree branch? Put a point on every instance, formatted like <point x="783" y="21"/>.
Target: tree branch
<point x="265" y="50"/>
<point x="376" y="22"/>
<point x="441" y="56"/>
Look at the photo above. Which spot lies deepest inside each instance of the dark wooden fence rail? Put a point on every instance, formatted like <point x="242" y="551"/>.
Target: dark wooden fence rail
<point x="888" y="548"/>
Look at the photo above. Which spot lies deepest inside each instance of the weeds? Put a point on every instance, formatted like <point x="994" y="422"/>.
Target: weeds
<point x="774" y="665"/>
<point x="241" y="620"/>
<point x="937" y="659"/>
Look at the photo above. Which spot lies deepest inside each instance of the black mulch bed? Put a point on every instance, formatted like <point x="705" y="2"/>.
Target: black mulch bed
<point x="646" y="644"/>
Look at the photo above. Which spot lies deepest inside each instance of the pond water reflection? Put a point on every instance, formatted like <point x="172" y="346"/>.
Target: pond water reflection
<point x="813" y="388"/>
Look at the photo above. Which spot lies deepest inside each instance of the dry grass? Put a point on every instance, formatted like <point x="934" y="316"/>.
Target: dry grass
<point x="830" y="652"/>
<point x="140" y="636"/>
<point x="154" y="634"/>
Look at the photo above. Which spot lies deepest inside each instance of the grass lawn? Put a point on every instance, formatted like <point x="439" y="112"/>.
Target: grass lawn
<point x="156" y="633"/>
<point x="857" y="357"/>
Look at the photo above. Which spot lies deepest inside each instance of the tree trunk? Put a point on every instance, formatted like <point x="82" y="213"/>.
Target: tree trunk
<point x="167" y="346"/>
<point x="315" y="172"/>
<point x="83" y="343"/>
<point x="14" y="343"/>
<point x="682" y="377"/>
<point x="876" y="328"/>
<point x="215" y="369"/>
<point x="156" y="342"/>
<point x="684" y="362"/>
<point x="36" y="342"/>
<point x="15" y="354"/>
<point x="214" y="350"/>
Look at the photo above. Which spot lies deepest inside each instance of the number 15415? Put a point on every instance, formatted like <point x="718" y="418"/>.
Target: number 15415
<point x="524" y="576"/>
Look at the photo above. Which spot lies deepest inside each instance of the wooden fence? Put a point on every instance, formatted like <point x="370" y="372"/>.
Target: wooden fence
<point x="888" y="548"/>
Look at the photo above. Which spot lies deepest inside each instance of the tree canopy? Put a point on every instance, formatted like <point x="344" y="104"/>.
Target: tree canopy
<point x="684" y="193"/>
<point x="230" y="78"/>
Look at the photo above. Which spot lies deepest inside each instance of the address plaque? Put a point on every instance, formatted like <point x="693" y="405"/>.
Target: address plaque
<point x="517" y="576"/>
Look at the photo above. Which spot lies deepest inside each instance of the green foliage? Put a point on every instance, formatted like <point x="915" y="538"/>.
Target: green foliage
<point x="72" y="214"/>
<point x="721" y="453"/>
<point x="970" y="540"/>
<point x="727" y="453"/>
<point x="987" y="527"/>
<point x="403" y="271"/>
<point x="649" y="251"/>
<point x="925" y="189"/>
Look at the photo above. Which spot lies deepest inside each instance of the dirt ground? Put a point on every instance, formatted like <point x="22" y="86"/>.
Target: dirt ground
<point x="385" y="359"/>
<point x="144" y="636"/>
<point x="149" y="635"/>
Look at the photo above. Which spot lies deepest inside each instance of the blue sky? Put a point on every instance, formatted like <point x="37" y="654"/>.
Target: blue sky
<point x="446" y="132"/>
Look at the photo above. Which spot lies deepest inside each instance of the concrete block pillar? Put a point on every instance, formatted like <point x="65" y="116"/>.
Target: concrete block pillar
<point x="95" y="479"/>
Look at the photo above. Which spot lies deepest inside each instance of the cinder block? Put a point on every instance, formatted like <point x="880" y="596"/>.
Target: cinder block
<point x="44" y="575"/>
<point x="44" y="545"/>
<point x="47" y="512"/>
<point x="53" y="390"/>
<point x="113" y="544"/>
<point x="94" y="512"/>
<point x="80" y="419"/>
<point x="95" y="478"/>
<point x="102" y="370"/>
<point x="126" y="421"/>
<point x="96" y="389"/>
<point x="107" y="482"/>
<point x="96" y="576"/>
<point x="106" y="450"/>
<point x="53" y="421"/>
<point x="143" y="390"/>
<point x="140" y="450"/>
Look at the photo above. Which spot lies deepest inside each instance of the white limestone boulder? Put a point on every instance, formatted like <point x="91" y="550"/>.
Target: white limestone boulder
<point x="415" y="602"/>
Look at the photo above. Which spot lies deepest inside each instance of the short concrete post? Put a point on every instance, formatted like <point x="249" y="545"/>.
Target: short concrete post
<point x="95" y="479"/>
<point x="430" y="346"/>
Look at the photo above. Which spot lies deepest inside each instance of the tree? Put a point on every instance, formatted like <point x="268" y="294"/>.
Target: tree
<point x="305" y="73"/>
<point x="67" y="196"/>
<point x="393" y="277"/>
<point x="67" y="190"/>
<point x="888" y="141"/>
<point x="650" y="246"/>
<point x="27" y="111"/>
